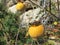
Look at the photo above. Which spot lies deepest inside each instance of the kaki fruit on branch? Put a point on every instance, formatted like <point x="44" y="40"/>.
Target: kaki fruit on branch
<point x="36" y="31"/>
<point x="19" y="6"/>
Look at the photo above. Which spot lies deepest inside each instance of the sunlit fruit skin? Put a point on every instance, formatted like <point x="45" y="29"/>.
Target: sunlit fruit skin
<point x="36" y="31"/>
<point x="19" y="6"/>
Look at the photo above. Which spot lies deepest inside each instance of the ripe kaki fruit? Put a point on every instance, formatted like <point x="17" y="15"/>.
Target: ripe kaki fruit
<point x="36" y="31"/>
<point x="19" y="6"/>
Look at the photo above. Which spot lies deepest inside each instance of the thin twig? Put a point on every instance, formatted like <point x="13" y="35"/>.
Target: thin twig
<point x="34" y="3"/>
<point x="17" y="37"/>
<point x="53" y="14"/>
<point x="58" y="5"/>
<point x="50" y="5"/>
<point x="46" y="9"/>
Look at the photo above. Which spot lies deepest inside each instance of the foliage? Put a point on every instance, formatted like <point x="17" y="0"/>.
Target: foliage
<point x="11" y="33"/>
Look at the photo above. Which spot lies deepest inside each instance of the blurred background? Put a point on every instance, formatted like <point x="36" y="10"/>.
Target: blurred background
<point x="17" y="16"/>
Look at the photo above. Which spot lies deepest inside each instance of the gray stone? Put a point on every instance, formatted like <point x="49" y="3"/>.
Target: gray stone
<point x="32" y="16"/>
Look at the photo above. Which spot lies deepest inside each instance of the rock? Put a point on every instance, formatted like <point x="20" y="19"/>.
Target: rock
<point x="9" y="3"/>
<point x="29" y="17"/>
<point x="12" y="9"/>
<point x="32" y="16"/>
